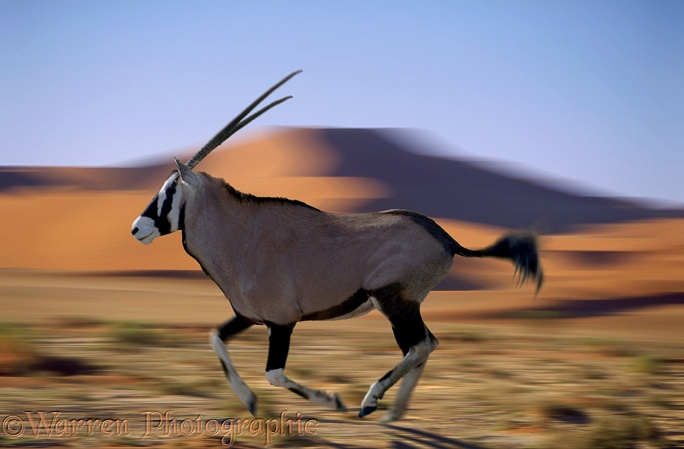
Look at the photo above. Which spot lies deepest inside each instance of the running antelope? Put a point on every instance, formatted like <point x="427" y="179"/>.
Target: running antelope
<point x="281" y="261"/>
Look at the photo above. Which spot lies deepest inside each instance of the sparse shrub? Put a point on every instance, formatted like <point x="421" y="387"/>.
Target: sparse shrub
<point x="609" y="347"/>
<point x="177" y="388"/>
<point x="612" y="431"/>
<point x="647" y="364"/>
<point x="622" y="432"/>
<point x="133" y="333"/>
<point x="62" y="366"/>
<point x="16" y="352"/>
<point x="563" y="413"/>
<point x="19" y="357"/>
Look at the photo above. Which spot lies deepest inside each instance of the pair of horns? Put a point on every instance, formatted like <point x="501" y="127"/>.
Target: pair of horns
<point x="240" y="121"/>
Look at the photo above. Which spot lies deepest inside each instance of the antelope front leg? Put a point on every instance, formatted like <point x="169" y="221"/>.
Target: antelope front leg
<point x="217" y="339"/>
<point x="278" y="348"/>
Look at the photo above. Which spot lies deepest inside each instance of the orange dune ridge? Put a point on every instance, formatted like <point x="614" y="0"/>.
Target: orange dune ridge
<point x="68" y="227"/>
<point x="79" y="219"/>
<point x="90" y="231"/>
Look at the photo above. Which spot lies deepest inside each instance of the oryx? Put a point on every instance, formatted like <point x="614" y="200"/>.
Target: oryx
<point x="280" y="261"/>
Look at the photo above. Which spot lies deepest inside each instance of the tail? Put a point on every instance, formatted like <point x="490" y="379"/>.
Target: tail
<point x="521" y="248"/>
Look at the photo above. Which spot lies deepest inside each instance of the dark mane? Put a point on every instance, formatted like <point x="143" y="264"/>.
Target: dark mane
<point x="249" y="198"/>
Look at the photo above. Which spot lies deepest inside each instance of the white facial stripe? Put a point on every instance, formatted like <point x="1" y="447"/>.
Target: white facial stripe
<point x="174" y="213"/>
<point x="161" y="196"/>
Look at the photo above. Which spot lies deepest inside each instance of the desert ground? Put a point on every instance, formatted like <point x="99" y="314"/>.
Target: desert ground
<point x="103" y="341"/>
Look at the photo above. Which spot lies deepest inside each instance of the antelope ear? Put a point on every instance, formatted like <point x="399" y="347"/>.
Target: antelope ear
<point x="187" y="176"/>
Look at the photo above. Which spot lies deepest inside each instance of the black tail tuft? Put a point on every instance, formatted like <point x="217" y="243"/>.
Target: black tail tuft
<point x="520" y="247"/>
<point x="523" y="250"/>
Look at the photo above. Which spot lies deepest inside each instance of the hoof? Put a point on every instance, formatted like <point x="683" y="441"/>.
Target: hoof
<point x="367" y="411"/>
<point x="251" y="404"/>
<point x="389" y="417"/>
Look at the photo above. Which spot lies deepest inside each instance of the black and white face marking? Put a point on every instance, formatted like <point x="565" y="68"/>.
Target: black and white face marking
<point x="163" y="215"/>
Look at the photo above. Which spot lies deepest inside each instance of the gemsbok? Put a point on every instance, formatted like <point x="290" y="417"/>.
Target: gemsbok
<point x="281" y="261"/>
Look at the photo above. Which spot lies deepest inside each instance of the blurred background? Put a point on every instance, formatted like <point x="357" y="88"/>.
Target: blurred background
<point x="587" y="92"/>
<point x="563" y="118"/>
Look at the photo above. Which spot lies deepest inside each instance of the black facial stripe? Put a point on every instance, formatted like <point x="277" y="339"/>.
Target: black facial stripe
<point x="151" y="210"/>
<point x="161" y="221"/>
<point x="181" y="218"/>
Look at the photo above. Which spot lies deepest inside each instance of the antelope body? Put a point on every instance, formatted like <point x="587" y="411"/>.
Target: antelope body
<point x="280" y="261"/>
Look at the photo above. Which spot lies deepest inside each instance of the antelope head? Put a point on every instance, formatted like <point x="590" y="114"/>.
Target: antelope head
<point x="164" y="214"/>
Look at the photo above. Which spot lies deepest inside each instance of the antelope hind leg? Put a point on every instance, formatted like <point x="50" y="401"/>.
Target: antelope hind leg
<point x="416" y="343"/>
<point x="407" y="385"/>
<point x="409" y="381"/>
<point x="409" y="366"/>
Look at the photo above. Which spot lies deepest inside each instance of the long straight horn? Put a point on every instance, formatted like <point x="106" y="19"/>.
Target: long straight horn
<point x="240" y="121"/>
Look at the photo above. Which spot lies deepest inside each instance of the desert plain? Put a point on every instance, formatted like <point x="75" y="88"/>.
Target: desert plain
<point x="103" y="341"/>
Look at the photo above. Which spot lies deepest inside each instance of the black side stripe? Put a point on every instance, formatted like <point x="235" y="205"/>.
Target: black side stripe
<point x="347" y="306"/>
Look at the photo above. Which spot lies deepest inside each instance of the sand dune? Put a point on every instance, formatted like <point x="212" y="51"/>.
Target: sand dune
<point x="78" y="219"/>
<point x="403" y="176"/>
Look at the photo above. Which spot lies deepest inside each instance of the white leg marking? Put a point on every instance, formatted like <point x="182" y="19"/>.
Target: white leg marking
<point x="277" y="378"/>
<point x="239" y="387"/>
<point x="417" y="354"/>
<point x="407" y="385"/>
<point x="161" y="196"/>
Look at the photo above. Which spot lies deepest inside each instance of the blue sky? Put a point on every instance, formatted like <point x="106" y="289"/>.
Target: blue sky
<point x="591" y="91"/>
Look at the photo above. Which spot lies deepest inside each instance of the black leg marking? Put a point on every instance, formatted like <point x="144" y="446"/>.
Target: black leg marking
<point x="299" y="392"/>
<point x="402" y="341"/>
<point x="225" y="369"/>
<point x="278" y="345"/>
<point x="233" y="326"/>
<point x="229" y="329"/>
<point x="407" y="323"/>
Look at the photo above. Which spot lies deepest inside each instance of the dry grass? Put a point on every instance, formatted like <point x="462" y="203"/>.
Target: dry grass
<point x="594" y="362"/>
<point x="485" y="387"/>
